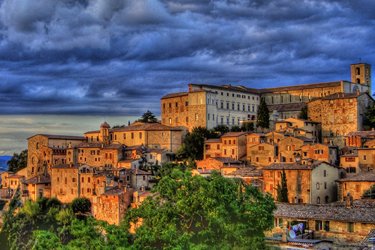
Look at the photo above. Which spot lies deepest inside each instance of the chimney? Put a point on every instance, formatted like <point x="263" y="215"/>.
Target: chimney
<point x="349" y="200"/>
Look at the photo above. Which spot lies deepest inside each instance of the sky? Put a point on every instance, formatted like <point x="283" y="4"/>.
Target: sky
<point x="117" y="58"/>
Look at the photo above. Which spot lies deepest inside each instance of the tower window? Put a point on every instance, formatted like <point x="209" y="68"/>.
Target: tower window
<point x="358" y="71"/>
<point x="358" y="80"/>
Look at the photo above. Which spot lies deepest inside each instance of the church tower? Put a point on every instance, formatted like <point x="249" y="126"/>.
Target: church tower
<point x="104" y="133"/>
<point x="361" y="73"/>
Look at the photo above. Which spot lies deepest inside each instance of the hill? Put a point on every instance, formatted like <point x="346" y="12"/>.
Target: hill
<point x="3" y="162"/>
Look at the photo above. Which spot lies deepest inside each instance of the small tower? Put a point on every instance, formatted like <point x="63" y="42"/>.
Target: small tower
<point x="361" y="73"/>
<point x="104" y="133"/>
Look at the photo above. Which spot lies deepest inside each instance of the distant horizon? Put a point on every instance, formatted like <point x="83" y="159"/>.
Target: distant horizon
<point x="15" y="129"/>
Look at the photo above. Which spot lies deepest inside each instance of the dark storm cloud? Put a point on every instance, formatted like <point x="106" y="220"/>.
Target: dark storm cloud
<point x="121" y="56"/>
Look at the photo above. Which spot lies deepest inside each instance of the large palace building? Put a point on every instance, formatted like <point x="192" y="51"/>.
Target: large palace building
<point x="211" y="105"/>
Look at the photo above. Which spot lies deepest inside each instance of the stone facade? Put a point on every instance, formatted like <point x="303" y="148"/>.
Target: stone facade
<point x="45" y="151"/>
<point x="112" y="205"/>
<point x="211" y="105"/>
<point x="262" y="155"/>
<point x="289" y="148"/>
<point x="64" y="180"/>
<point x="341" y="222"/>
<point x="320" y="152"/>
<point x="356" y="185"/>
<point x="306" y="183"/>
<point x="234" y="145"/>
<point x="339" y="115"/>
<point x="359" y="138"/>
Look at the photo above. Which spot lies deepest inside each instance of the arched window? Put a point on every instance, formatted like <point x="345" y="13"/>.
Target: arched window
<point x="37" y="145"/>
<point x="326" y="199"/>
<point x="318" y="200"/>
<point x="358" y="80"/>
<point x="357" y="71"/>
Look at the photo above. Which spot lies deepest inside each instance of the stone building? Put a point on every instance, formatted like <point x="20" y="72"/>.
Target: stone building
<point x="211" y="105"/>
<point x="255" y="138"/>
<point x="339" y="114"/>
<point x="262" y="155"/>
<point x="64" y="182"/>
<point x="274" y="137"/>
<point x="313" y="183"/>
<point x="289" y="149"/>
<point x="151" y="135"/>
<point x="341" y="222"/>
<point x="231" y="144"/>
<point x="359" y="138"/>
<point x="212" y="148"/>
<point x="350" y="162"/>
<point x="299" y="127"/>
<point x="45" y="151"/>
<point x="355" y="185"/>
<point x="320" y="152"/>
<point x="111" y="206"/>
<point x="218" y="163"/>
<point x="37" y="187"/>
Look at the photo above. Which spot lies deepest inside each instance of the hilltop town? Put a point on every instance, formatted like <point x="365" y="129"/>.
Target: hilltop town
<point x="315" y="149"/>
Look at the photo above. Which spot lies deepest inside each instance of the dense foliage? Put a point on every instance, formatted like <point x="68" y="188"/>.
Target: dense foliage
<point x="192" y="146"/>
<point x="263" y="116"/>
<point x="18" y="161"/>
<point x="187" y="212"/>
<point x="81" y="205"/>
<point x="369" y="119"/>
<point x="282" y="189"/>
<point x="46" y="224"/>
<point x="369" y="194"/>
<point x="192" y="212"/>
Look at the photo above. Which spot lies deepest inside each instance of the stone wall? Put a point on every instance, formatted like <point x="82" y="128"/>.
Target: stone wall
<point x="355" y="188"/>
<point x="262" y="154"/>
<point x="64" y="184"/>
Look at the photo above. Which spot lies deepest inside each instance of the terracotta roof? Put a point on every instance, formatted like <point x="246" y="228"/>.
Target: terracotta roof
<point x="363" y="176"/>
<point x="294" y="166"/>
<point x="227" y="160"/>
<point x="114" y="191"/>
<point x="16" y="176"/>
<point x="362" y="133"/>
<point x="233" y="134"/>
<point x="287" y="107"/>
<point x="305" y="139"/>
<point x="66" y="166"/>
<point x="212" y="140"/>
<point x="246" y="172"/>
<point x="355" y="154"/>
<point x="341" y="96"/>
<point x="228" y="87"/>
<point x="256" y="134"/>
<point x="302" y="86"/>
<point x="62" y="137"/>
<point x="40" y="179"/>
<point x="362" y="211"/>
<point x="146" y="127"/>
<point x="175" y="95"/>
<point x="98" y="145"/>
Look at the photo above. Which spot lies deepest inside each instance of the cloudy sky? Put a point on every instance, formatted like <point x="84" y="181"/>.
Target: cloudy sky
<point x="118" y="57"/>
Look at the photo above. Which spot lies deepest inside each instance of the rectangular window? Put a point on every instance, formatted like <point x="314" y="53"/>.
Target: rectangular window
<point x="140" y="134"/>
<point x="318" y="225"/>
<point x="350" y="227"/>
<point x="326" y="226"/>
<point x="132" y="135"/>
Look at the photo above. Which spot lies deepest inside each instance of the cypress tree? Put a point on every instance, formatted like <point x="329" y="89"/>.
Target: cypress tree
<point x="263" y="116"/>
<point x="282" y="189"/>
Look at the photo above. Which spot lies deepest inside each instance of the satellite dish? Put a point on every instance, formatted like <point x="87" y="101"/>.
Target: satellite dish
<point x="292" y="234"/>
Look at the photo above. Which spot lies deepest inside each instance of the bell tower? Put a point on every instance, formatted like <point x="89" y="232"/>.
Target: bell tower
<point x="361" y="73"/>
<point x="104" y="133"/>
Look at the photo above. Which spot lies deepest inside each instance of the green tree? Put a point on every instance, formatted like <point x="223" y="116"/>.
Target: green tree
<point x="18" y="161"/>
<point x="303" y="114"/>
<point x="247" y="127"/>
<point x="148" y="117"/>
<point x="370" y="193"/>
<point x="369" y="119"/>
<point x="235" y="129"/>
<point x="192" y="146"/>
<point x="81" y="205"/>
<point x="193" y="212"/>
<point x="282" y="189"/>
<point x="221" y="129"/>
<point x="263" y="115"/>
<point x="42" y="240"/>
